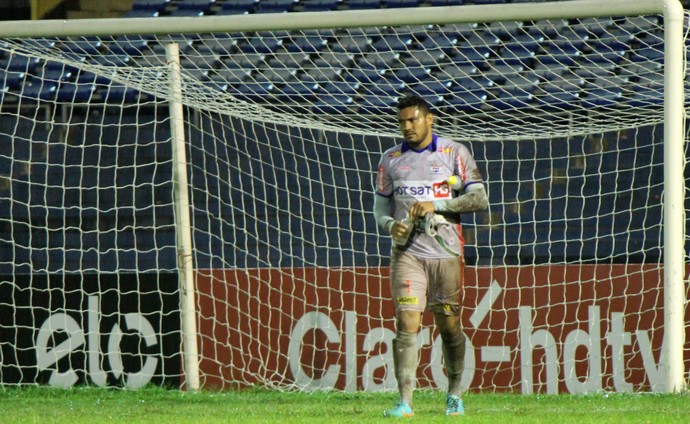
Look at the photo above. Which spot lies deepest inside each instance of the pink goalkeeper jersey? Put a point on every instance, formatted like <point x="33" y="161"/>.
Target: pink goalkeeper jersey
<point x="410" y="176"/>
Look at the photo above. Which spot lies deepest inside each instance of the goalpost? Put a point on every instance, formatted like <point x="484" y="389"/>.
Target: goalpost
<point x="187" y="201"/>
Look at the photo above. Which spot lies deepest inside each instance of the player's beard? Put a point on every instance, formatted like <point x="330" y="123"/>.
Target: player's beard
<point x="415" y="140"/>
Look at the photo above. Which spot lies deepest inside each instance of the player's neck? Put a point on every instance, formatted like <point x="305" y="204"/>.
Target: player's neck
<point x="422" y="144"/>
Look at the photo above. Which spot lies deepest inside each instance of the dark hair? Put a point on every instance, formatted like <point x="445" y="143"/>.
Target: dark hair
<point x="414" y="101"/>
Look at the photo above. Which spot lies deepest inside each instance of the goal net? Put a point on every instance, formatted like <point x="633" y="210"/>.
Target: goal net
<point x="283" y="130"/>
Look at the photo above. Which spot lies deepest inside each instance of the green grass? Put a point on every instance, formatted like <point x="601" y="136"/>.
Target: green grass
<point x="154" y="405"/>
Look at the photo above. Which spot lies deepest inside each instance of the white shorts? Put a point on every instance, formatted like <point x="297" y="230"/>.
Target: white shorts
<point x="419" y="282"/>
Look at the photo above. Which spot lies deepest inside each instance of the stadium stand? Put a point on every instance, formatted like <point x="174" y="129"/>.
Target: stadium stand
<point x="490" y="75"/>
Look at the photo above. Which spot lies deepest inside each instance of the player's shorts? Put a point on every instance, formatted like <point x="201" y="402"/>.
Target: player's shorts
<point x="419" y="282"/>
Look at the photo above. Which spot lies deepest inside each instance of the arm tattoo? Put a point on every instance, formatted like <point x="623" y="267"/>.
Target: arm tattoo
<point x="471" y="201"/>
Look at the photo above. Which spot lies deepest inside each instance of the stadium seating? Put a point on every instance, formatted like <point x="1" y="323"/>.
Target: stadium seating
<point x="468" y="80"/>
<point x="156" y="5"/>
<point x="647" y="96"/>
<point x="83" y="46"/>
<point x="244" y="60"/>
<point x="378" y="104"/>
<point x="275" y="6"/>
<point x="333" y="103"/>
<point x="425" y="58"/>
<point x="392" y="42"/>
<point x="18" y="63"/>
<point x="517" y="54"/>
<point x="363" y="4"/>
<point x="75" y="92"/>
<point x="466" y="101"/>
<point x="654" y="53"/>
<point x="318" y="5"/>
<point x="441" y="42"/>
<point x="512" y="97"/>
<point x="379" y="61"/>
<point x="390" y="4"/>
<point x="237" y="7"/>
<point x="142" y="13"/>
<point x="11" y="80"/>
<point x="261" y="45"/>
<point x="471" y="56"/>
<point x="436" y="91"/>
<point x="200" y="5"/>
<point x="339" y="87"/>
<point x="447" y="2"/>
<point x="564" y="54"/>
<point x="187" y="13"/>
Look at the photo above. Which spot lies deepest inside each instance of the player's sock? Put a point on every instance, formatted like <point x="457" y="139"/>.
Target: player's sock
<point x="454" y="357"/>
<point x="405" y="361"/>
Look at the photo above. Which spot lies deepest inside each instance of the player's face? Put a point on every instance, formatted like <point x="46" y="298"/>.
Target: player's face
<point x="415" y="126"/>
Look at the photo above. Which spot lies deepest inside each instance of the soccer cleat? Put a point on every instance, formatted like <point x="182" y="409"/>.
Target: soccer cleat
<point x="401" y="410"/>
<point x="454" y="406"/>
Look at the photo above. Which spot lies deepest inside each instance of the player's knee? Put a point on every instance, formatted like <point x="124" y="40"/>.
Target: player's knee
<point x="452" y="336"/>
<point x="448" y="323"/>
<point x="408" y="322"/>
<point x="404" y="340"/>
<point x="405" y="337"/>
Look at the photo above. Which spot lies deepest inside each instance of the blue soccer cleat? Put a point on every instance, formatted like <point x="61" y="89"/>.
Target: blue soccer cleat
<point x="454" y="406"/>
<point x="401" y="410"/>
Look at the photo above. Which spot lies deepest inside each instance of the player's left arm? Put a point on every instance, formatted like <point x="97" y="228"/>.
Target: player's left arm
<point x="473" y="199"/>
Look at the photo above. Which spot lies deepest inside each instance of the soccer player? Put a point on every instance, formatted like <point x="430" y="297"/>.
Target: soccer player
<point x="416" y="205"/>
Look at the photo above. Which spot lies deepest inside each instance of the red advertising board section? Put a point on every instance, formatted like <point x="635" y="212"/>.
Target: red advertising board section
<point x="531" y="329"/>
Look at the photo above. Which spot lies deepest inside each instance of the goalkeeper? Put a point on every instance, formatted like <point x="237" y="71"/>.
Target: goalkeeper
<point x="423" y="184"/>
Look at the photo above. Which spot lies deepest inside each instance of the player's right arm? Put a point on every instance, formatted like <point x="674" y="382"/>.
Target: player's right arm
<point x="383" y="213"/>
<point x="384" y="204"/>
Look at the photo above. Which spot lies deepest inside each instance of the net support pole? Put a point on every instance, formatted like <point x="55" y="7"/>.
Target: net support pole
<point x="342" y="19"/>
<point x="183" y="222"/>
<point x="673" y="203"/>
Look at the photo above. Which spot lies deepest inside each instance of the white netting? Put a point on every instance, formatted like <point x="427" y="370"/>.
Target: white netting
<point x="578" y="76"/>
<point x="284" y="132"/>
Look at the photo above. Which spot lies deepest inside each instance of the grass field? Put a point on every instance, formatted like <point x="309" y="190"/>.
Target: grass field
<point x="154" y="405"/>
